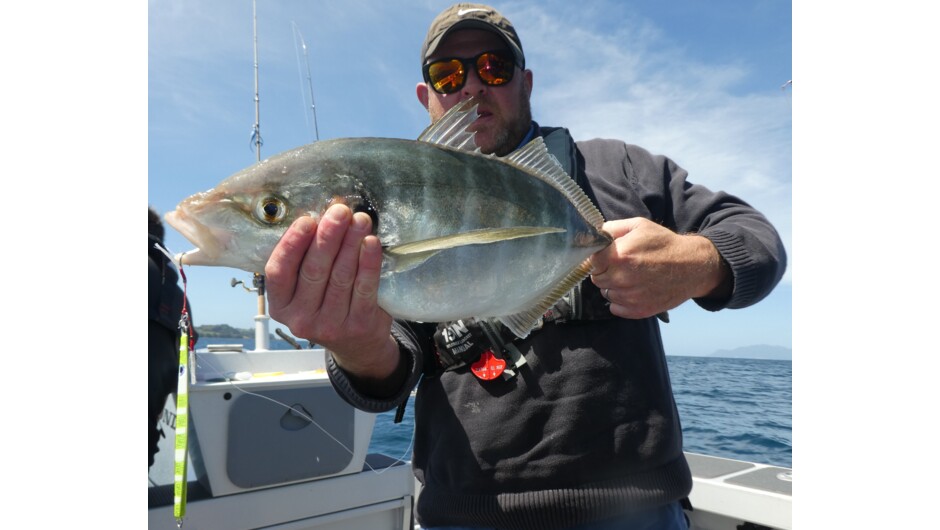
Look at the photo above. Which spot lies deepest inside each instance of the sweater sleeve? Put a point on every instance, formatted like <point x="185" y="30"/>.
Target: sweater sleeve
<point x="409" y="338"/>
<point x="744" y="238"/>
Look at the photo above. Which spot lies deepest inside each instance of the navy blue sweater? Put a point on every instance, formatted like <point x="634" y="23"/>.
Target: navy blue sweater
<point x="589" y="426"/>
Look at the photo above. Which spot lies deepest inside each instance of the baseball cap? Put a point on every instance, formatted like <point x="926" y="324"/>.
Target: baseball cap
<point x="471" y="16"/>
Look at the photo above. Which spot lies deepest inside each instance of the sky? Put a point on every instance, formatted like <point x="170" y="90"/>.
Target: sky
<point x="702" y="83"/>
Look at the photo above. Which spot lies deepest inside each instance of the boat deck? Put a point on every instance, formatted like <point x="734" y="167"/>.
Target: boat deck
<point x="727" y="493"/>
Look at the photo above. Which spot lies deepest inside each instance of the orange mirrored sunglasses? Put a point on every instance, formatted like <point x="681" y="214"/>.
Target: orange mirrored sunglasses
<point x="449" y="75"/>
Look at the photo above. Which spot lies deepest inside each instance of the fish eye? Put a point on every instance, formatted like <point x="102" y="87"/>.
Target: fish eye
<point x="271" y="209"/>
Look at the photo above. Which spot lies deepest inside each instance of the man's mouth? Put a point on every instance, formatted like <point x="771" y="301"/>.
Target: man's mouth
<point x="483" y="116"/>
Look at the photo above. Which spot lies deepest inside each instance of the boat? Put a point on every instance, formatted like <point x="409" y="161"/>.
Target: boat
<point x="272" y="446"/>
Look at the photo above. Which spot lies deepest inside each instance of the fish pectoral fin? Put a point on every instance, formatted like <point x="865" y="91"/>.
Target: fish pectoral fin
<point x="484" y="236"/>
<point x="409" y="255"/>
<point x="397" y="262"/>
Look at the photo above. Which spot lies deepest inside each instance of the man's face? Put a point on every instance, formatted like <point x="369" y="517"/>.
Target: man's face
<point x="504" y="110"/>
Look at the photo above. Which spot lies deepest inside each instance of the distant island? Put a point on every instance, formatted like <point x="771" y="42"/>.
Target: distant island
<point x="215" y="331"/>
<point x="224" y="331"/>
<point x="760" y="351"/>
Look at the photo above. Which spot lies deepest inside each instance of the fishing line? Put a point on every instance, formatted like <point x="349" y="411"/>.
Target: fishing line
<point x="177" y="260"/>
<point x="293" y="410"/>
<point x="195" y="360"/>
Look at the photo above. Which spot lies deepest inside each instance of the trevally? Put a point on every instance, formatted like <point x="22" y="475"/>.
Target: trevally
<point x="463" y="234"/>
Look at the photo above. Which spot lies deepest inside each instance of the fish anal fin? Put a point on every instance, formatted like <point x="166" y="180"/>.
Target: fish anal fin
<point x="522" y="323"/>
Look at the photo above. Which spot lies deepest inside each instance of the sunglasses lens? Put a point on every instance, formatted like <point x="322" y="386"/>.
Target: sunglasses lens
<point x="494" y="69"/>
<point x="447" y="76"/>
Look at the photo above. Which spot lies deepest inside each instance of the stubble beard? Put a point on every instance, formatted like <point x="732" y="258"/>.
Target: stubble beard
<point x="507" y="138"/>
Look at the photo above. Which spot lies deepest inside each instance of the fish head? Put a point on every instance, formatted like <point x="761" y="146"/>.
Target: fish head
<point x="236" y="230"/>
<point x="240" y="221"/>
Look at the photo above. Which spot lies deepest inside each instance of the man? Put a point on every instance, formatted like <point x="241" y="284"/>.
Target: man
<point x="582" y="429"/>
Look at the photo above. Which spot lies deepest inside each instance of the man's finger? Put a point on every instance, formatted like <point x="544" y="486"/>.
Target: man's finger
<point x="285" y="261"/>
<point x="365" y="293"/>
<point x="339" y="289"/>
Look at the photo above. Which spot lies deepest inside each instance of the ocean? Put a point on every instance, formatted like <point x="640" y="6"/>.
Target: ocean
<point x="731" y="408"/>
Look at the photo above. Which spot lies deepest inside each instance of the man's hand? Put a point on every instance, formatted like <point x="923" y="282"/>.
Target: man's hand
<point x="650" y="269"/>
<point x="322" y="282"/>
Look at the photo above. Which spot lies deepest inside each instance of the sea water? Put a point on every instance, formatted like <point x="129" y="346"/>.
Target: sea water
<point x="735" y="408"/>
<point x="732" y="408"/>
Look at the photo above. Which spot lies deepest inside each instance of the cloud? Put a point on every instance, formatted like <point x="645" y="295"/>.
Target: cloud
<point x="634" y="83"/>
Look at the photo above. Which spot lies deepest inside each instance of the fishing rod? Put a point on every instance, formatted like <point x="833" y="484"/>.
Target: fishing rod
<point x="256" y="128"/>
<point x="261" y="319"/>
<point x="313" y="105"/>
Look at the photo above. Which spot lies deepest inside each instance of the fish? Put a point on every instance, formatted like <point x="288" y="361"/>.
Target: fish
<point x="464" y="234"/>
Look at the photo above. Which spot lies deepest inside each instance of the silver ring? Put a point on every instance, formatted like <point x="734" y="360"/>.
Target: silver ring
<point x="607" y="294"/>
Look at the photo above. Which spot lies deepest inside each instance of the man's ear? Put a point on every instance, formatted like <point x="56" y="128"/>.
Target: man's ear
<point x="422" y="91"/>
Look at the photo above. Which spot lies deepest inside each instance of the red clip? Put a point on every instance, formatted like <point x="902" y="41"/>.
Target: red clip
<point x="488" y="367"/>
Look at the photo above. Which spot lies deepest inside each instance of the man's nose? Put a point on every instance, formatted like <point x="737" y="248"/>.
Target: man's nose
<point x="474" y="86"/>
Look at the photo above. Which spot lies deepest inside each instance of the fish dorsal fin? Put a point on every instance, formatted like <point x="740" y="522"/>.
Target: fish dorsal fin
<point x="451" y="129"/>
<point x="410" y="255"/>
<point x="522" y="323"/>
<point x="534" y="158"/>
